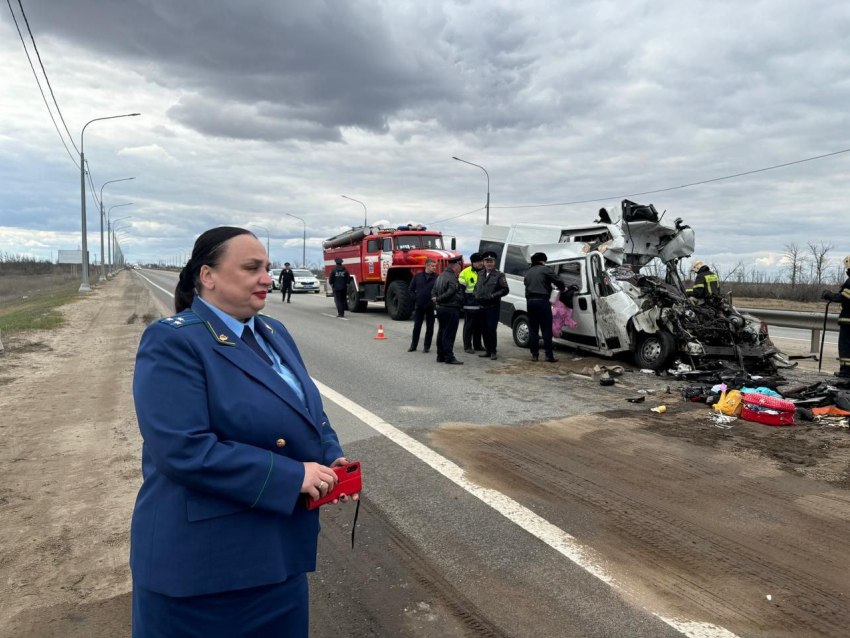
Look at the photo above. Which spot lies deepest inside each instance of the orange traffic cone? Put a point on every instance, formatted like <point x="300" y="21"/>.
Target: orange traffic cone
<point x="381" y="334"/>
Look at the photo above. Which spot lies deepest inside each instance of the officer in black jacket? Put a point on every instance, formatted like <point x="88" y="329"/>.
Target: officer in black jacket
<point x="490" y="287"/>
<point x="286" y="279"/>
<point x="449" y="296"/>
<point x="420" y="288"/>
<point x="539" y="281"/>
<point x="843" y="297"/>
<point x="338" y="281"/>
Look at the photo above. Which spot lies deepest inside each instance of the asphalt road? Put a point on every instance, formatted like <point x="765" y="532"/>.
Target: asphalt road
<point x="439" y="555"/>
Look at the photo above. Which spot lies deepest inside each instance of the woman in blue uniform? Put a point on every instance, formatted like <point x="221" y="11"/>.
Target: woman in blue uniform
<point x="234" y="436"/>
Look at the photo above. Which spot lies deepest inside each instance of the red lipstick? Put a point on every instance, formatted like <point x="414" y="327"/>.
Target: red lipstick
<point x="261" y="294"/>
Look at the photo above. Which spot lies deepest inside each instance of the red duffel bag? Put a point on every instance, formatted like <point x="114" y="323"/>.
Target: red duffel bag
<point x="769" y="410"/>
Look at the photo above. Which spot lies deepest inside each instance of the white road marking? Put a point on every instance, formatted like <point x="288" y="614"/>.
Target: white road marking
<point x="167" y="292"/>
<point x="518" y="514"/>
<point x="335" y="316"/>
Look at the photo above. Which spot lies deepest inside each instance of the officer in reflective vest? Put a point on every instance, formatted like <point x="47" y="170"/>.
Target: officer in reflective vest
<point x="843" y="297"/>
<point x="473" y="325"/>
<point x="706" y="283"/>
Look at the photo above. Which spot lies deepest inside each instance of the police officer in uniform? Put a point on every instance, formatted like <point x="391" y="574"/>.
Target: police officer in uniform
<point x="448" y="295"/>
<point x="420" y="289"/>
<point x="539" y="282"/>
<point x="706" y="283"/>
<point x="473" y="324"/>
<point x="843" y="297"/>
<point x="286" y="279"/>
<point x="234" y="439"/>
<point x="338" y="281"/>
<point x="489" y="290"/>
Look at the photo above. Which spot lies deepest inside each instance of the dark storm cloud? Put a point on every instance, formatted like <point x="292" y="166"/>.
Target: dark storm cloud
<point x="312" y="66"/>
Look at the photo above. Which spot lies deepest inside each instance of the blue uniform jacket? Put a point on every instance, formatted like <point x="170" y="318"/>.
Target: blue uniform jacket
<point x="224" y="442"/>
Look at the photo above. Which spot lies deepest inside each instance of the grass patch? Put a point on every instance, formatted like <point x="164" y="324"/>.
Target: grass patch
<point x="39" y="310"/>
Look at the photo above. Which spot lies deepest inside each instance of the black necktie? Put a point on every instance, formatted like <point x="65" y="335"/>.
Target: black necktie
<point x="251" y="341"/>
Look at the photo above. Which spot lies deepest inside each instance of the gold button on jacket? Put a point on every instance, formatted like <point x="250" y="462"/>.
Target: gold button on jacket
<point x="281" y="442"/>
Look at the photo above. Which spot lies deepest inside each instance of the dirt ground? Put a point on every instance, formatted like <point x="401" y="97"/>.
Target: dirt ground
<point x="69" y="468"/>
<point x="730" y="527"/>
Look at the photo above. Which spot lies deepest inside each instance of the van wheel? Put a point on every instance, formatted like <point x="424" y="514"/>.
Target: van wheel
<point x="655" y="350"/>
<point x="399" y="301"/>
<point x="355" y="304"/>
<point x="520" y="330"/>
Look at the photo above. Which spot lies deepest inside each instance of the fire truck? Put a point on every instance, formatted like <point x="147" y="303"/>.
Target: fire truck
<point x="382" y="261"/>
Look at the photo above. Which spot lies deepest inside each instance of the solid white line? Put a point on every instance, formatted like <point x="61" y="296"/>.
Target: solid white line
<point x="167" y="292"/>
<point x="518" y="514"/>
<point x="334" y="316"/>
<point x="794" y="339"/>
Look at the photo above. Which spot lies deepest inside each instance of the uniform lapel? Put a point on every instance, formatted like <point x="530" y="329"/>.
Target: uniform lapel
<point x="233" y="349"/>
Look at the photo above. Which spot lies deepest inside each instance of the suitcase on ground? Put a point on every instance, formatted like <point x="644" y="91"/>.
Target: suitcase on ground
<point x="761" y="408"/>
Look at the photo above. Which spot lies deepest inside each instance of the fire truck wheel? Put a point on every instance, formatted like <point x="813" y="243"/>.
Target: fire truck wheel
<point x="355" y="304"/>
<point x="399" y="301"/>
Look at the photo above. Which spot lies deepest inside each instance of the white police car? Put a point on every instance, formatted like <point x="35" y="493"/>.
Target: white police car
<point x="305" y="281"/>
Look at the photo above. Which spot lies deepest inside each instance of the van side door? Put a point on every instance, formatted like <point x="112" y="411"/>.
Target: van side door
<point x="614" y="307"/>
<point x="574" y="272"/>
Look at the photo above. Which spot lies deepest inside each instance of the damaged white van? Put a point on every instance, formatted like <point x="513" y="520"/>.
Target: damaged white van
<point x="616" y="308"/>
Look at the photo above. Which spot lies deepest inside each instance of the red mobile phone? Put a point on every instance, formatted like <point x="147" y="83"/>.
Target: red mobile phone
<point x="349" y="483"/>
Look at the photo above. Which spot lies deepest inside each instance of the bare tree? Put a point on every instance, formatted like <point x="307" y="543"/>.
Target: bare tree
<point x="795" y="261"/>
<point x="820" y="260"/>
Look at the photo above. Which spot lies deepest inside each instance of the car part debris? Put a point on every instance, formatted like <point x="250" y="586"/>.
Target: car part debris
<point x="636" y="400"/>
<point x="608" y="381"/>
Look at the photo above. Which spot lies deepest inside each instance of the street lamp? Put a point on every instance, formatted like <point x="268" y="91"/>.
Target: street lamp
<point x="109" y="231"/>
<point x="304" y="242"/>
<point x="488" y="184"/>
<point x="84" y="286"/>
<point x="268" y="252"/>
<point x="115" y="231"/>
<point x="102" y="262"/>
<point x="359" y="202"/>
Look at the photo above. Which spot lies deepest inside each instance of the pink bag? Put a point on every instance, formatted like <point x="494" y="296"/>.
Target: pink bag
<point x="562" y="317"/>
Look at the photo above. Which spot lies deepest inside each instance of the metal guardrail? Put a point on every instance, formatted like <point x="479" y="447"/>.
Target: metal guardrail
<point x="801" y="320"/>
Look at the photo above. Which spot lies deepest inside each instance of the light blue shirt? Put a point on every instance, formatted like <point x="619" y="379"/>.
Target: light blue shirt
<point x="236" y="326"/>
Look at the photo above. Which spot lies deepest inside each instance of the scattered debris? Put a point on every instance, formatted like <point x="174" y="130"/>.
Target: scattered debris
<point x="636" y="400"/>
<point x="607" y="382"/>
<point x="661" y="409"/>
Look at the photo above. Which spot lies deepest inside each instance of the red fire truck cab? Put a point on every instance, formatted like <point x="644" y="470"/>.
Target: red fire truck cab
<point x="382" y="262"/>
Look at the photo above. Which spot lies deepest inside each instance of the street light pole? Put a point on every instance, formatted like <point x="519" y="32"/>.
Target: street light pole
<point x="359" y="202"/>
<point x="84" y="285"/>
<point x="303" y="243"/>
<point x="109" y="228"/>
<point x="487" y="222"/>
<point x="115" y="231"/>
<point x="268" y="251"/>
<point x="102" y="262"/>
<point x="109" y="232"/>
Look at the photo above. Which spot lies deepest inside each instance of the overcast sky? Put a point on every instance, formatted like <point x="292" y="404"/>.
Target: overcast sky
<point x="258" y="108"/>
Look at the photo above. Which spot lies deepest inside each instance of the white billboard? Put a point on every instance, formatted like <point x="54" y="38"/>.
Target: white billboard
<point x="71" y="257"/>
